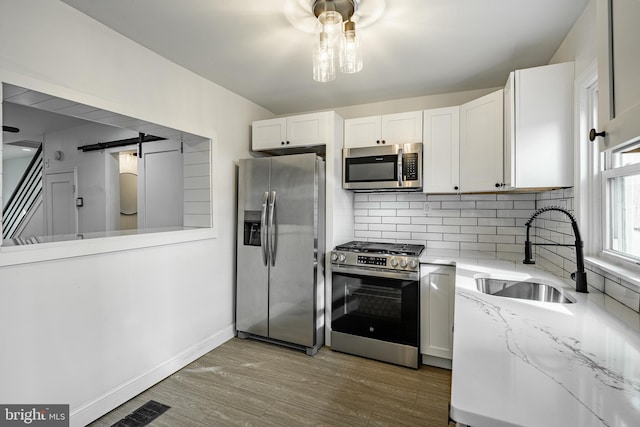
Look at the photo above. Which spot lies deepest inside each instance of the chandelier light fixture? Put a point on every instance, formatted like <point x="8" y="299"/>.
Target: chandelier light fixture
<point x="336" y="39"/>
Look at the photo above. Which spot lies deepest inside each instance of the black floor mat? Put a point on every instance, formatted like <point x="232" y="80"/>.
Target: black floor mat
<point x="143" y="415"/>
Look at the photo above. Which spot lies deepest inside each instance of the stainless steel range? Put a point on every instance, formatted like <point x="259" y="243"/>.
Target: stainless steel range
<point x="375" y="304"/>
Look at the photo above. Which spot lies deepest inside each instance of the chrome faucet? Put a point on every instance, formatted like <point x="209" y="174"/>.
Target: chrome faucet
<point x="580" y="276"/>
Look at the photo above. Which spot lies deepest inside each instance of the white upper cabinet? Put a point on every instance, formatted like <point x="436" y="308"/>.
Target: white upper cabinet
<point x="441" y="150"/>
<point x="304" y="130"/>
<point x="400" y="128"/>
<point x="538" y="127"/>
<point x="618" y="71"/>
<point x="481" y="144"/>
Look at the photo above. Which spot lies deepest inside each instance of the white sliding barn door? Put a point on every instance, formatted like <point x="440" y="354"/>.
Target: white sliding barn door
<point x="160" y="185"/>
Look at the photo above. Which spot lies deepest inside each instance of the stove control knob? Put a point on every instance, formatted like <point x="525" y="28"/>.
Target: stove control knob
<point x="394" y="262"/>
<point x="341" y="258"/>
<point x="334" y="256"/>
<point x="403" y="263"/>
<point x="413" y="263"/>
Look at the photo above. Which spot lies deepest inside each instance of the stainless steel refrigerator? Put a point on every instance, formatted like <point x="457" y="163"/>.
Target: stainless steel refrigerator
<point x="280" y="280"/>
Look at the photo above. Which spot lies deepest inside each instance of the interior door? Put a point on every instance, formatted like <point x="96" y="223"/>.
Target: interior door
<point x="61" y="213"/>
<point x="292" y="276"/>
<point x="160" y="185"/>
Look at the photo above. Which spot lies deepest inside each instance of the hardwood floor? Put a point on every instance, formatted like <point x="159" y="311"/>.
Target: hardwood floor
<point x="252" y="383"/>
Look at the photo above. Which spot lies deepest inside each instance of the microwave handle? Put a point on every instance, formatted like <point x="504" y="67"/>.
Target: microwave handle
<point x="400" y="156"/>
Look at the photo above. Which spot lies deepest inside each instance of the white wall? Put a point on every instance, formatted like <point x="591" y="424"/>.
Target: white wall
<point x="95" y="330"/>
<point x="12" y="171"/>
<point x="580" y="44"/>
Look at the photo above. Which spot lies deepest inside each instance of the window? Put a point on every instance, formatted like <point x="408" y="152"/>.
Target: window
<point x="621" y="187"/>
<point x="78" y="187"/>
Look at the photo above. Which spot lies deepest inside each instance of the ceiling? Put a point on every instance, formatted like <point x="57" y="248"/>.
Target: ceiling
<point x="261" y="49"/>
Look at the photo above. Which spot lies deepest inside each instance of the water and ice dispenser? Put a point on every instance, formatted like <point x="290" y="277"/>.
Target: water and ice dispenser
<point x="252" y="227"/>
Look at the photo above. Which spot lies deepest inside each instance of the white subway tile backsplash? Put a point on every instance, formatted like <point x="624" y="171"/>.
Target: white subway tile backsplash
<point x="396" y="220"/>
<point x="476" y="223"/>
<point x="366" y="205"/>
<point x="396" y="235"/>
<point x="377" y="197"/>
<point x="477" y="213"/>
<point x="442" y="245"/>
<point x="427" y="220"/>
<point x="461" y="237"/>
<point x="477" y="230"/>
<point x="460" y="221"/>
<point x="478" y="197"/>
<point x="443" y="229"/>
<point x="367" y="220"/>
<point x="618" y="292"/>
<point x="360" y="234"/>
<point x="491" y="247"/>
<point x="488" y="238"/>
<point x="428" y="236"/>
<point x="418" y="228"/>
<point x="459" y="205"/>
<point x="504" y="204"/>
<point x="411" y="197"/>
<point x="409" y="212"/>
<point x="382" y="212"/>
<point x="382" y="227"/>
<point x="503" y="222"/>
<point x="394" y="205"/>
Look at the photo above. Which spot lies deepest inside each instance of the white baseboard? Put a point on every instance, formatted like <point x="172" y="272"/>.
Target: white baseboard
<point x="438" y="362"/>
<point x="126" y="391"/>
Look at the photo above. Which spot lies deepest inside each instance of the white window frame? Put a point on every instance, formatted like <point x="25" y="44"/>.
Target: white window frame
<point x="593" y="170"/>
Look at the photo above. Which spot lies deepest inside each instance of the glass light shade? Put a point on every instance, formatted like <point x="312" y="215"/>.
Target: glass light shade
<point x="324" y="69"/>
<point x="331" y="23"/>
<point x="350" y="53"/>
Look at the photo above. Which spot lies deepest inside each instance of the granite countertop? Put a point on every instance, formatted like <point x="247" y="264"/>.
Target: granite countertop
<point x="524" y="363"/>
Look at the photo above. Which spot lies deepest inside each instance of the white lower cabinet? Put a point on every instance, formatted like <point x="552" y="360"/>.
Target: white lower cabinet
<point x="437" y="295"/>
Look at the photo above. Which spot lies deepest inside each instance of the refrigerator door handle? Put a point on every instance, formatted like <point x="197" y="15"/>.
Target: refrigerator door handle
<point x="272" y="231"/>
<point x="263" y="229"/>
<point x="400" y="155"/>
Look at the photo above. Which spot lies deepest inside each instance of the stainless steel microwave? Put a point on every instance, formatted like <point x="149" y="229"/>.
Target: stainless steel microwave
<point x="383" y="168"/>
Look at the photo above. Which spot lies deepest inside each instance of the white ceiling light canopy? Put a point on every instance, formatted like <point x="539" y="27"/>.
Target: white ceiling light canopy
<point x="335" y="39"/>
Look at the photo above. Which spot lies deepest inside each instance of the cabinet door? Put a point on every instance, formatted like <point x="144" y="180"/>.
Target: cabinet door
<point x="538" y="124"/>
<point x="441" y="153"/>
<point x="362" y="132"/>
<point x="481" y="143"/>
<point x="618" y="71"/>
<point x="268" y="134"/>
<point x="437" y="296"/>
<point x="307" y="130"/>
<point x="402" y="128"/>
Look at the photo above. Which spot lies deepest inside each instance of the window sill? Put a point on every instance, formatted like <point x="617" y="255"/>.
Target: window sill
<point x="629" y="272"/>
<point x="98" y="244"/>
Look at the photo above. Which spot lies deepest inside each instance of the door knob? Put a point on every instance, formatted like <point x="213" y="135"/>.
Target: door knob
<point x="593" y="134"/>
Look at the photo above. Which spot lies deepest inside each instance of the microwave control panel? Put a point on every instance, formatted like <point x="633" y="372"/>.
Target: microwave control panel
<point x="410" y="166"/>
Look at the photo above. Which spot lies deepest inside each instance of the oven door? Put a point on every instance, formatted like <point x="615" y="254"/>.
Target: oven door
<point x="381" y="308"/>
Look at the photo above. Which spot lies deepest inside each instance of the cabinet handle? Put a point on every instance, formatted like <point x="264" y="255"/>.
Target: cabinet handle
<point x="593" y="134"/>
<point x="378" y="141"/>
<point x="498" y="185"/>
<point x="287" y="142"/>
<point x="455" y="188"/>
<point x="384" y="142"/>
<point x="281" y="142"/>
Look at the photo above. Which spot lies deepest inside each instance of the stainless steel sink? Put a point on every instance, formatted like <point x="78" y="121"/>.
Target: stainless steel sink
<point x="522" y="289"/>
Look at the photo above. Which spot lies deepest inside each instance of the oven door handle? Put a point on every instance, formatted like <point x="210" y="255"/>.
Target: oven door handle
<point x="400" y="156"/>
<point x="363" y="271"/>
